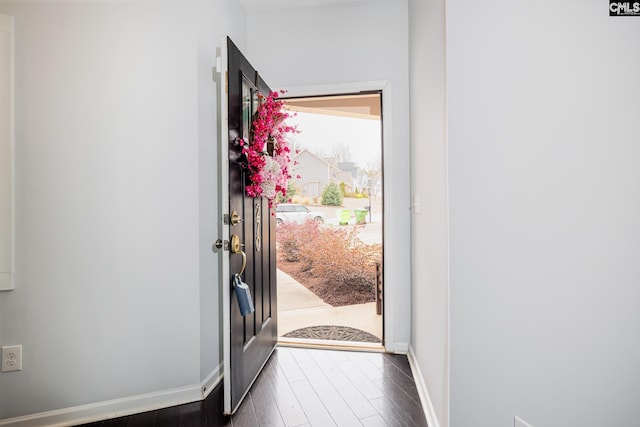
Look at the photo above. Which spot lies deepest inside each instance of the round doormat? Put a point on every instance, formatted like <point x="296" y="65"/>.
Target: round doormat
<point x="331" y="332"/>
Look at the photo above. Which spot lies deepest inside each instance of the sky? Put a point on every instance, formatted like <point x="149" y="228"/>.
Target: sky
<point x="321" y="133"/>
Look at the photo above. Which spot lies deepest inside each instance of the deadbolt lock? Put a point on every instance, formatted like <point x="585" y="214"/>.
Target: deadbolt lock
<point x="235" y="218"/>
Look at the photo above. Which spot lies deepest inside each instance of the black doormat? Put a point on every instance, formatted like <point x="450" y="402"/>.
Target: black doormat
<point x="331" y="332"/>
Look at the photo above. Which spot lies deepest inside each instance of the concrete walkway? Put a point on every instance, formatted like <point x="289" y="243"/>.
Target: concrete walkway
<point x="298" y="307"/>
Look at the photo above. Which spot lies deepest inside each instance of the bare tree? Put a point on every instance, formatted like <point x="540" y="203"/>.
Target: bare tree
<point x="341" y="152"/>
<point x="373" y="172"/>
<point x="295" y="144"/>
<point x="373" y="169"/>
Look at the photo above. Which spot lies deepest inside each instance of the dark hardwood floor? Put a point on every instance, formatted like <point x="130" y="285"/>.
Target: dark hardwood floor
<point x="305" y="387"/>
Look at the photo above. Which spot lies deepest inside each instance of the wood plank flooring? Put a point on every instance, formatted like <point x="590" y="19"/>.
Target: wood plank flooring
<point x="308" y="387"/>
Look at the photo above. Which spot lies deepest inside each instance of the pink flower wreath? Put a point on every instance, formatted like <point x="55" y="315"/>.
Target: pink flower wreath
<point x="268" y="171"/>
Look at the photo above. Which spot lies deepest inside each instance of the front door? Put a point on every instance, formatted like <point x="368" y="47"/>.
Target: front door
<point x="248" y="340"/>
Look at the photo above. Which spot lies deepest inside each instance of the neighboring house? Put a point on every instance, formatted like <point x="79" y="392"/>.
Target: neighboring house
<point x="315" y="173"/>
<point x="356" y="178"/>
<point x="350" y="174"/>
<point x="372" y="185"/>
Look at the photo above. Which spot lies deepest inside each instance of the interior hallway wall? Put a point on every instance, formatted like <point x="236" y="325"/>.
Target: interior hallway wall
<point x="350" y="43"/>
<point x="216" y="20"/>
<point x="116" y="187"/>
<point x="429" y="220"/>
<point x="544" y="205"/>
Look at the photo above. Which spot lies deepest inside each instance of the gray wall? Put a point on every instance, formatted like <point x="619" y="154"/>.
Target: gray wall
<point x="429" y="221"/>
<point x="337" y="45"/>
<point x="116" y="286"/>
<point x="544" y="148"/>
<point x="114" y="177"/>
<point x="215" y="19"/>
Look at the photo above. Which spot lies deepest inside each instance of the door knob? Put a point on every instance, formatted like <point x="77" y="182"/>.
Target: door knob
<point x="219" y="244"/>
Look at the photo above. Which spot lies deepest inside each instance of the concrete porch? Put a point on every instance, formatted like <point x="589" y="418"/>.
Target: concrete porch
<point x="298" y="308"/>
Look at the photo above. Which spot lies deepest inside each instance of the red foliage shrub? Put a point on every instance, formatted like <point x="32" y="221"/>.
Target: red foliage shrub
<point x="291" y="238"/>
<point x="337" y="256"/>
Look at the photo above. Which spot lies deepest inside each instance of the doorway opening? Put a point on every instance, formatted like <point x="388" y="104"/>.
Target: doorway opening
<point x="330" y="228"/>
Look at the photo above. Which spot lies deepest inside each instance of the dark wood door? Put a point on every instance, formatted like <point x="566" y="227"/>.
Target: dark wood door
<point x="252" y="337"/>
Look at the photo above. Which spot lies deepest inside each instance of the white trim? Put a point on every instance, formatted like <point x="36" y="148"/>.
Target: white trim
<point x="223" y="179"/>
<point x="427" y="405"/>
<point x="400" y="348"/>
<point x="7" y="149"/>
<point x="519" y="422"/>
<point x="120" y="407"/>
<point x="331" y="344"/>
<point x="213" y="379"/>
<point x="389" y="268"/>
<point x="390" y="235"/>
<point x="108" y="409"/>
<point x="335" y="89"/>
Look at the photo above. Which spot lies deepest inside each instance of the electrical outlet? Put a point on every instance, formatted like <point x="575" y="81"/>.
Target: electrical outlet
<point x="518" y="422"/>
<point x="11" y="358"/>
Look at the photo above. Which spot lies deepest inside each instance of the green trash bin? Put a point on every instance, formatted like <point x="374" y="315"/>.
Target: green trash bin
<point x="361" y="216"/>
<point x="344" y="216"/>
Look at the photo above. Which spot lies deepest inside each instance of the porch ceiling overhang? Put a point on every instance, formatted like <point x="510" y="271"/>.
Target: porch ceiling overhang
<point x="365" y="106"/>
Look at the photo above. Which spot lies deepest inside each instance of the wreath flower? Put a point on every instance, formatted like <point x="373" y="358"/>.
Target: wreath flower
<point x="267" y="153"/>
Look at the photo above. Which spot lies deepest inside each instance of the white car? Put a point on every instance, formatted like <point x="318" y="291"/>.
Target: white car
<point x="291" y="212"/>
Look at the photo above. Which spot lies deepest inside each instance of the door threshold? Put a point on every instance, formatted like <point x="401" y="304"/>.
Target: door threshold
<point x="331" y="344"/>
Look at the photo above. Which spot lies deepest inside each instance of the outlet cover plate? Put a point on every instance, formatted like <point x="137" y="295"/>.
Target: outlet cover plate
<point x="11" y="358"/>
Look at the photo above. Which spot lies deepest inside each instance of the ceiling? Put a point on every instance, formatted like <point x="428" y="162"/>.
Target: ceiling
<point x="269" y="5"/>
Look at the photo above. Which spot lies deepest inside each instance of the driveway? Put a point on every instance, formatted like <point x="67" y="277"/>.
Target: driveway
<point x="371" y="232"/>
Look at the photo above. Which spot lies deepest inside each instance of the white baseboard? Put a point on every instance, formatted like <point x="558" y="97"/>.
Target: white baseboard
<point x="427" y="406"/>
<point x="400" y="348"/>
<point x="118" y="407"/>
<point x="213" y="379"/>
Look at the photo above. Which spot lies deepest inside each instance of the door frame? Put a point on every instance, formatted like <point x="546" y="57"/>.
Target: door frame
<point x="397" y="310"/>
<point x="223" y="229"/>
<point x="396" y="262"/>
